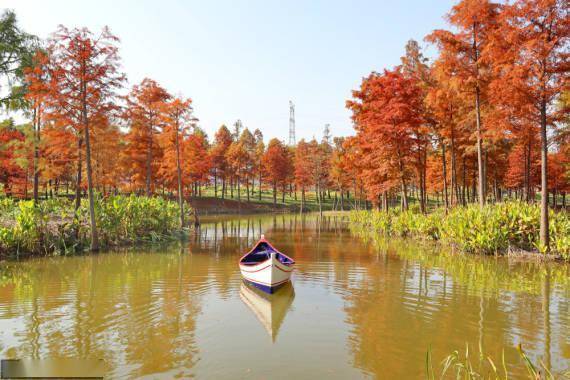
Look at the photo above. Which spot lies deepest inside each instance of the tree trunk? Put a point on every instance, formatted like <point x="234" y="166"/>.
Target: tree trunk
<point x="239" y="194"/>
<point x="215" y="183"/>
<point x="37" y="123"/>
<point x="544" y="235"/>
<point x="179" y="175"/>
<point x="446" y="201"/>
<point x="94" y="234"/>
<point x="274" y="194"/>
<point x="404" y="188"/>
<point x="149" y="165"/>
<point x="79" y="171"/>
<point x="320" y="200"/>
<point x="480" y="187"/>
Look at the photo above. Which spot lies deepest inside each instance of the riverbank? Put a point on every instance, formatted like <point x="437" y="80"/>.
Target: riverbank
<point x="54" y="227"/>
<point x="498" y="229"/>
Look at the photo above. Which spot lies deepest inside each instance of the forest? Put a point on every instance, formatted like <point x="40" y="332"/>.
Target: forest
<point x="485" y="121"/>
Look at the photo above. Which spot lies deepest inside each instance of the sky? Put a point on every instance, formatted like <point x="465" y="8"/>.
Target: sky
<point x="246" y="59"/>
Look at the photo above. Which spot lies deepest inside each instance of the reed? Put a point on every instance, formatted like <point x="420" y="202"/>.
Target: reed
<point x="54" y="227"/>
<point x="467" y="367"/>
<point x="494" y="229"/>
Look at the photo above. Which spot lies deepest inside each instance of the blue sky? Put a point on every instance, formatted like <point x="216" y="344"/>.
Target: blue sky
<point x="246" y="59"/>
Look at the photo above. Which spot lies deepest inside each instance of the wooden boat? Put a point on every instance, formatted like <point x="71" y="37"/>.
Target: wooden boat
<point x="265" y="267"/>
<point x="269" y="309"/>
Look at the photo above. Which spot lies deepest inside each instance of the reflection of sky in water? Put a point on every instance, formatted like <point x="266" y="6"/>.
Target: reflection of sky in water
<point x="359" y="309"/>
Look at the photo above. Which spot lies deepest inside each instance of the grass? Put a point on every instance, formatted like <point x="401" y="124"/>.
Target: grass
<point x="54" y="227"/>
<point x="311" y="202"/>
<point x="492" y="230"/>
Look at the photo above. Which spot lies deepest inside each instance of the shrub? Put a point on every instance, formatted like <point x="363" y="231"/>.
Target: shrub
<point x="53" y="226"/>
<point x="493" y="229"/>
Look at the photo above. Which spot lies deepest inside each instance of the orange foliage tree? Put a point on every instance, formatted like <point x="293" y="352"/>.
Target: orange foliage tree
<point x="85" y="77"/>
<point x="386" y="112"/>
<point x="145" y="116"/>
<point x="277" y="164"/>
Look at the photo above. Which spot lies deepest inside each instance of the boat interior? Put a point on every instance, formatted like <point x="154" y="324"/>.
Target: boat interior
<point x="262" y="252"/>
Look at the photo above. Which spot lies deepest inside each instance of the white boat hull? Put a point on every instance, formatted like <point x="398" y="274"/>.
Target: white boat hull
<point x="267" y="275"/>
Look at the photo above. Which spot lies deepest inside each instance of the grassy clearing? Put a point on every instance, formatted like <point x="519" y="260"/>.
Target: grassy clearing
<point x="492" y="230"/>
<point x="54" y="227"/>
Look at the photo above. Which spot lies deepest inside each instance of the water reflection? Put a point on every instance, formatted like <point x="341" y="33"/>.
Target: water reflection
<point x="269" y="309"/>
<point x="369" y="307"/>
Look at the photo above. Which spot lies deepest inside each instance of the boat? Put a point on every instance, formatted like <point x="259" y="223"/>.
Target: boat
<point x="269" y="309"/>
<point x="265" y="267"/>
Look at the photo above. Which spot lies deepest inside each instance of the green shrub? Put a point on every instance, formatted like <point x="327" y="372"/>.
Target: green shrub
<point x="490" y="230"/>
<point x="53" y="226"/>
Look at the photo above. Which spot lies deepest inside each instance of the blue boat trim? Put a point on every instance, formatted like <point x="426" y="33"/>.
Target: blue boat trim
<point x="266" y="288"/>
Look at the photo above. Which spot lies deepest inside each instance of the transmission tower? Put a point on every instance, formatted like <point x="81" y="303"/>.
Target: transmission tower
<point x="291" y="123"/>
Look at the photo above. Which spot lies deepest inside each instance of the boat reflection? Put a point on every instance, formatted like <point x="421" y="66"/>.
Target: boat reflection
<point x="270" y="309"/>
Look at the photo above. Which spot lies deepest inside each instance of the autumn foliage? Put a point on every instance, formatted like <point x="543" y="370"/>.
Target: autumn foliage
<point x="483" y="120"/>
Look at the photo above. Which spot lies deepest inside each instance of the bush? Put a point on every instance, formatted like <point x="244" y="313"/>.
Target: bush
<point x="53" y="226"/>
<point x="493" y="229"/>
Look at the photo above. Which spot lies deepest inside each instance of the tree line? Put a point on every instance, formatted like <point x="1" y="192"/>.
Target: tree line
<point x="485" y="119"/>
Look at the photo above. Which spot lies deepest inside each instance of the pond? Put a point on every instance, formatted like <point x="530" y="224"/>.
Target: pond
<point x="356" y="308"/>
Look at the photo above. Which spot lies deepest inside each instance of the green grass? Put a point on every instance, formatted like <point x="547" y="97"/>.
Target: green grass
<point x="311" y="202"/>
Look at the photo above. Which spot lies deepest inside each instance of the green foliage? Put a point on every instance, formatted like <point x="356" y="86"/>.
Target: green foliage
<point x="490" y="230"/>
<point x="53" y="226"/>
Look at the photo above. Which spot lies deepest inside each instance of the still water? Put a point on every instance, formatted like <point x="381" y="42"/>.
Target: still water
<point x="356" y="308"/>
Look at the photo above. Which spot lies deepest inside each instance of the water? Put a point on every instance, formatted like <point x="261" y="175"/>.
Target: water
<point x="356" y="309"/>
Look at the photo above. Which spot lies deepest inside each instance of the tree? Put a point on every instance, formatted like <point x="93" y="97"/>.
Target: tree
<point x="237" y="157"/>
<point x="248" y="143"/>
<point x="475" y="21"/>
<point x="277" y="165"/>
<point x="386" y="112"/>
<point x="37" y="83"/>
<point x="222" y="142"/>
<point x="340" y="173"/>
<point x="196" y="160"/>
<point x="177" y="118"/>
<point x="258" y="157"/>
<point x="11" y="173"/>
<point x="16" y="50"/>
<point x="534" y="35"/>
<point x="145" y="114"/>
<point x="82" y="90"/>
<point x="303" y="169"/>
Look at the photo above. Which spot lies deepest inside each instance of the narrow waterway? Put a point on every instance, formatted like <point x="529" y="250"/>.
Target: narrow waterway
<point x="355" y="308"/>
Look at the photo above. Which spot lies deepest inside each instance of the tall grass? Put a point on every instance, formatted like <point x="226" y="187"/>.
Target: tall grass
<point x="53" y="226"/>
<point x="493" y="229"/>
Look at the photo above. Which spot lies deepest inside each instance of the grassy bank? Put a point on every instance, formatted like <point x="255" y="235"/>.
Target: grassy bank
<point x="54" y="227"/>
<point x="291" y="201"/>
<point x="495" y="229"/>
